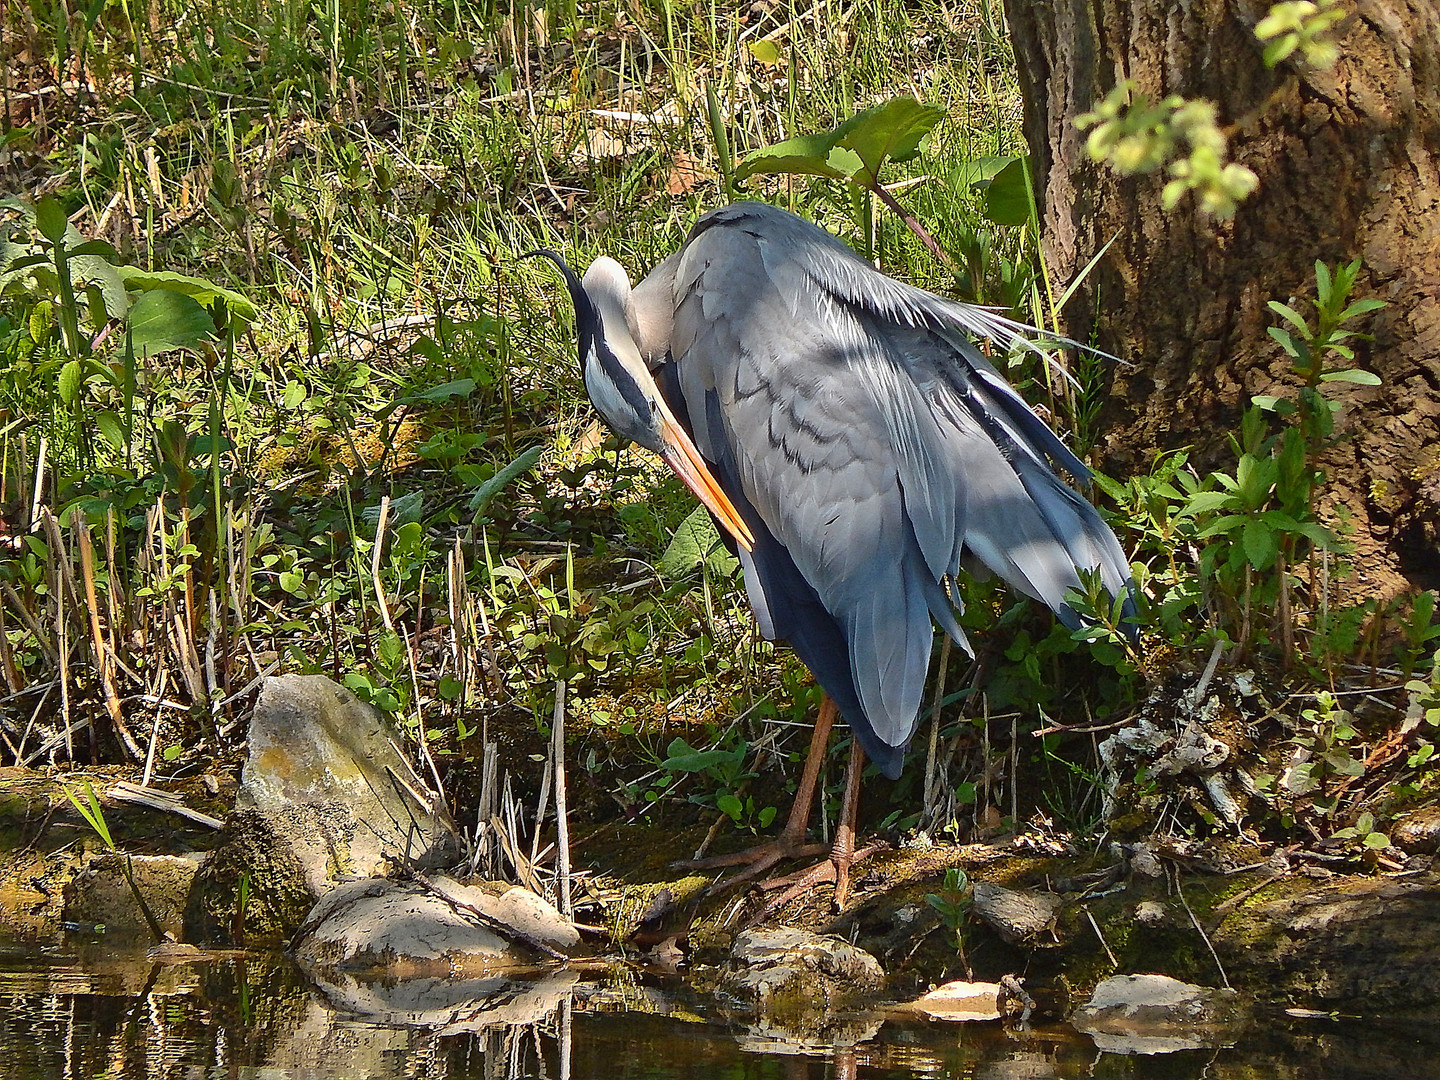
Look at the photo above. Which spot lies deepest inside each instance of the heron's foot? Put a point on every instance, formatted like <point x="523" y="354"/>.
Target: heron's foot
<point x="756" y="860"/>
<point x="835" y="869"/>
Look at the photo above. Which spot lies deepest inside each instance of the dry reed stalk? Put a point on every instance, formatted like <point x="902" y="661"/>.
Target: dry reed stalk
<point x="192" y="617"/>
<point x="13" y="682"/>
<point x="38" y="487"/>
<point x="375" y="553"/>
<point x="114" y="589"/>
<point x="562" y="819"/>
<point x="159" y="696"/>
<point x="104" y="653"/>
<point x="541" y="805"/>
<point x="31" y="623"/>
<point x="932" y="763"/>
<point x="22" y="477"/>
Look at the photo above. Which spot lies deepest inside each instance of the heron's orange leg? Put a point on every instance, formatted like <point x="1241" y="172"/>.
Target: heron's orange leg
<point x="842" y="854"/>
<point x="790" y="844"/>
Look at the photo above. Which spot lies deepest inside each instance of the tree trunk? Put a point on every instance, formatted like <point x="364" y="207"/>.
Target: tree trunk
<point x="1349" y="165"/>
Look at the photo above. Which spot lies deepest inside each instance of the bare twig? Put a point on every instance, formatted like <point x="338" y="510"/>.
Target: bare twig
<point x="1201" y="931"/>
<point x="1103" y="943"/>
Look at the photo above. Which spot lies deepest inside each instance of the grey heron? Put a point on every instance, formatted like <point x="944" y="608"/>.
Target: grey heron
<point x="845" y="430"/>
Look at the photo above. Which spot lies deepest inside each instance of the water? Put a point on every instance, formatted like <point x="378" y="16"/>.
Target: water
<point x="94" y="1013"/>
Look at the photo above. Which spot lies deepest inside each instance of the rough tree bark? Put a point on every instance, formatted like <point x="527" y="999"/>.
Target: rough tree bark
<point x="1349" y="164"/>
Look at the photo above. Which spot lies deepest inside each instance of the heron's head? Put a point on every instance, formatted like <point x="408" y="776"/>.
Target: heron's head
<point x="622" y="389"/>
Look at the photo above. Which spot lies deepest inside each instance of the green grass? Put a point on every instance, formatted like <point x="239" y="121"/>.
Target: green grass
<point x="367" y="174"/>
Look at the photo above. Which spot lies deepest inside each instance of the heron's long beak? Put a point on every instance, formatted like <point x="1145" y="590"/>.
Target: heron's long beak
<point x="681" y="454"/>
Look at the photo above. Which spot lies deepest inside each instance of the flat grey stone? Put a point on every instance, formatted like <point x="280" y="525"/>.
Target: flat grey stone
<point x="1152" y="1014"/>
<point x="767" y="965"/>
<point x="408" y="930"/>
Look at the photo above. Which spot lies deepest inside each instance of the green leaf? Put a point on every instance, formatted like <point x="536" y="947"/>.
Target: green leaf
<point x="682" y="757"/>
<point x="1007" y="199"/>
<point x="68" y="383"/>
<point x="459" y="388"/>
<point x="1292" y="315"/>
<point x="977" y="173"/>
<point x="163" y="321"/>
<point x="1360" y="307"/>
<point x="1359" y="376"/>
<point x="893" y="131"/>
<point x="50" y="220"/>
<point x="1288" y="341"/>
<point x="1204" y="502"/>
<point x="765" y="51"/>
<point x="1261" y="544"/>
<point x="203" y="292"/>
<point x="731" y="805"/>
<point x="492" y="487"/>
<point x="766" y="816"/>
<point x="696" y="541"/>
<point x="92" y="247"/>
<point x="804" y="155"/>
<point x="111" y="428"/>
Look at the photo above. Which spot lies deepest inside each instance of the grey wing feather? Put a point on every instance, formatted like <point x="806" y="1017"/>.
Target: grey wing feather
<point x="874" y="441"/>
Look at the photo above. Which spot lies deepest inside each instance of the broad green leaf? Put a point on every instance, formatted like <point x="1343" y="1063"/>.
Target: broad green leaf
<point x="459" y="388"/>
<point x="1007" y="199"/>
<point x="50" y="220"/>
<point x="163" y="320"/>
<point x="93" y="247"/>
<point x="682" y="757"/>
<point x="807" y="155"/>
<point x="1204" y="502"/>
<point x="203" y="292"/>
<point x="42" y="318"/>
<point x="696" y="541"/>
<point x="1226" y="524"/>
<point x="978" y="172"/>
<point x="731" y="805"/>
<point x="893" y="131"/>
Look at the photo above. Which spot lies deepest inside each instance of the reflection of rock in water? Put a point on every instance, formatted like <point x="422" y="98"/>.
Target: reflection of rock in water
<point x="448" y="1005"/>
<point x="812" y="1033"/>
<point x="1018" y="1065"/>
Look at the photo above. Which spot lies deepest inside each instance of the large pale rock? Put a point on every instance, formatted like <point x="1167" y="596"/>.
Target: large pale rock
<point x="1155" y="1014"/>
<point x="795" y="969"/>
<point x="100" y="894"/>
<point x="410" y="930"/>
<point x="326" y="768"/>
<point x="325" y="797"/>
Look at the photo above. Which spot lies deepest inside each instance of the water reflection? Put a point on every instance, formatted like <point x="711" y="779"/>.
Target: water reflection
<point x="98" y="1014"/>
